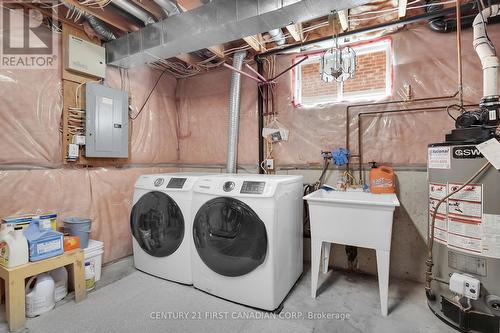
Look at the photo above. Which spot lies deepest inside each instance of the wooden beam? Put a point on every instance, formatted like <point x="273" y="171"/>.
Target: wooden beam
<point x="256" y="42"/>
<point x="189" y="59"/>
<point x="295" y="31"/>
<point x="218" y="50"/>
<point x="344" y="23"/>
<point x="152" y="8"/>
<point x="402" y="8"/>
<point x="107" y="16"/>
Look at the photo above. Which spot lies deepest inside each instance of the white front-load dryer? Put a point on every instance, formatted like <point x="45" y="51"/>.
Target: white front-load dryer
<point x="247" y="237"/>
<point x="161" y="225"/>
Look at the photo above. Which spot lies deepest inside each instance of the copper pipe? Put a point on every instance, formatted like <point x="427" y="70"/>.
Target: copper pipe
<point x="349" y="107"/>
<point x="459" y="53"/>
<point x="360" y="135"/>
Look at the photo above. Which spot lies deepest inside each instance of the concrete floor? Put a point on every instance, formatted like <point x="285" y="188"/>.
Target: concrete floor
<point x="131" y="301"/>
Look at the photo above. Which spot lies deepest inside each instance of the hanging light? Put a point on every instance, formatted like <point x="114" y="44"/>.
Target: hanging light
<point x="338" y="63"/>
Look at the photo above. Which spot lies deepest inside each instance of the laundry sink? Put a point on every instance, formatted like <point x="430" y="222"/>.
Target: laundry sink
<point x="353" y="218"/>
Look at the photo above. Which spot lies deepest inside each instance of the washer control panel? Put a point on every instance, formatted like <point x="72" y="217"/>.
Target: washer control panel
<point x="249" y="187"/>
<point x="176" y="182"/>
<point x="159" y="182"/>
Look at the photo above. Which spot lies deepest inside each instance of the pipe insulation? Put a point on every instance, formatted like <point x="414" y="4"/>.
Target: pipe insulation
<point x="486" y="51"/>
<point x="234" y="112"/>
<point x="134" y="11"/>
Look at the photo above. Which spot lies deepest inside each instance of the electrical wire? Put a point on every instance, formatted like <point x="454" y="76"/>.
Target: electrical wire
<point x="149" y="95"/>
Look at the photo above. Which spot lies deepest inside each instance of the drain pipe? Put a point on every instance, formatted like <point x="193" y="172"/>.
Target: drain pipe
<point x="234" y="112"/>
<point x="134" y="11"/>
<point x="486" y="53"/>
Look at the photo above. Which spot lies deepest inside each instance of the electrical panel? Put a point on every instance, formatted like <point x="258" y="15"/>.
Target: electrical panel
<point x="106" y="130"/>
<point x="85" y="57"/>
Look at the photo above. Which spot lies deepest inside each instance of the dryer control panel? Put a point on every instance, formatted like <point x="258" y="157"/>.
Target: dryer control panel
<point x="249" y="187"/>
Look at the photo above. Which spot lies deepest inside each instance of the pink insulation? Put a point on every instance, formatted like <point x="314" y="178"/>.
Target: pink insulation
<point x="203" y="102"/>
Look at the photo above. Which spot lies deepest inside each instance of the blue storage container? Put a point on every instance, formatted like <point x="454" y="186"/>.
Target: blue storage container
<point x="43" y="242"/>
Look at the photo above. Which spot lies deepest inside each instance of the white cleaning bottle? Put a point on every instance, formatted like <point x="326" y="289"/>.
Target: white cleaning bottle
<point x="13" y="248"/>
<point x="60" y="276"/>
<point x="40" y="298"/>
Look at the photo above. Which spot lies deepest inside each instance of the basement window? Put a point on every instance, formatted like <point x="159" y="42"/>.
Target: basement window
<point x="372" y="80"/>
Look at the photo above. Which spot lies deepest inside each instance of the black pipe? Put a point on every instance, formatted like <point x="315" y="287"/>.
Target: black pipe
<point x="260" y="113"/>
<point x="403" y="21"/>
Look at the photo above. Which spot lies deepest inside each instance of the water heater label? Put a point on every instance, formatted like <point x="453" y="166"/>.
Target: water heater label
<point x="491" y="235"/>
<point x="439" y="158"/>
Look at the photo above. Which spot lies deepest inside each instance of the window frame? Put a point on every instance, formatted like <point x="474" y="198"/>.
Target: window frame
<point x="383" y="44"/>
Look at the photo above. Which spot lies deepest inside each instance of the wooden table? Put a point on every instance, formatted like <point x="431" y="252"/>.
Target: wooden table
<point x="14" y="279"/>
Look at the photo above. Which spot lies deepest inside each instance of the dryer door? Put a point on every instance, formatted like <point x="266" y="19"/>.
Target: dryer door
<point x="157" y="224"/>
<point x="229" y="237"/>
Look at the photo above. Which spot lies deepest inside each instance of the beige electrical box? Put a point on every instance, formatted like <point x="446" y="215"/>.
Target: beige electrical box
<point x="85" y="57"/>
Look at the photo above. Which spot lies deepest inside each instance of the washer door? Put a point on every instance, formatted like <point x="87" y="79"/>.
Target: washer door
<point x="157" y="224"/>
<point x="229" y="237"/>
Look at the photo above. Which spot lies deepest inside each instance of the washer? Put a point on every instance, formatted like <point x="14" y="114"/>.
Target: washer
<point x="161" y="225"/>
<point x="247" y="237"/>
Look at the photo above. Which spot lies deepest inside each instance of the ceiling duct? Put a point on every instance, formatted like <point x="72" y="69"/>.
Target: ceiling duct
<point x="215" y="23"/>
<point x="133" y="10"/>
<point x="169" y="7"/>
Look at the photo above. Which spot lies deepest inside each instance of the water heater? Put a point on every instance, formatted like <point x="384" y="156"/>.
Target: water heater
<point x="465" y="291"/>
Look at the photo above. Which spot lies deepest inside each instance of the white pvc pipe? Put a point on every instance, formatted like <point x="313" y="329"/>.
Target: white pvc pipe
<point x="486" y="53"/>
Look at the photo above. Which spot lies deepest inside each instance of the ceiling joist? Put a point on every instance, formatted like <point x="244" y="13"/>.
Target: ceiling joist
<point x="402" y="8"/>
<point x="256" y="42"/>
<point x="295" y="30"/>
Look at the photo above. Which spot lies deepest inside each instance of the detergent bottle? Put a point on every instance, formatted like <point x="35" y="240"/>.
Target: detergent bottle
<point x="13" y="247"/>
<point x="382" y="179"/>
<point x="40" y="297"/>
<point x="60" y="276"/>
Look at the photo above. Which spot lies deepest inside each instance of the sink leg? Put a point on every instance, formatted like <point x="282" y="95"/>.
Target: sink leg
<point x="315" y="261"/>
<point x="325" y="256"/>
<point x="383" y="260"/>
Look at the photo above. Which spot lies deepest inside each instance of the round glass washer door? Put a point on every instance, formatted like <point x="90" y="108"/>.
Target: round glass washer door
<point x="157" y="224"/>
<point x="229" y="236"/>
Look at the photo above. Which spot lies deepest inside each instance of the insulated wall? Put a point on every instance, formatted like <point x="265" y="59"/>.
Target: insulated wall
<point x="32" y="176"/>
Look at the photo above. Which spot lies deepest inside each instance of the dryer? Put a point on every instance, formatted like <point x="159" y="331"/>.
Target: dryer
<point x="247" y="237"/>
<point x="161" y="222"/>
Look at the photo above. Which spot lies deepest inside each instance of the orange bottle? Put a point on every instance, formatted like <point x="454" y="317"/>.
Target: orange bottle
<point x="382" y="179"/>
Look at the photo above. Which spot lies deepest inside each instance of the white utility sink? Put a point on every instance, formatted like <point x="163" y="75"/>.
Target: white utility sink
<point x="351" y="218"/>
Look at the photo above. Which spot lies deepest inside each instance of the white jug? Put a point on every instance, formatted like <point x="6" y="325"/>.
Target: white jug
<point x="40" y="298"/>
<point x="13" y="248"/>
<point x="60" y="276"/>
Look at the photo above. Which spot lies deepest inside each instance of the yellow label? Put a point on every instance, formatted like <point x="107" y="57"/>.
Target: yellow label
<point x="4" y="254"/>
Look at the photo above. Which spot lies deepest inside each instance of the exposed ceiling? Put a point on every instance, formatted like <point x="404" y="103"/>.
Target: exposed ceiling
<point x="108" y="19"/>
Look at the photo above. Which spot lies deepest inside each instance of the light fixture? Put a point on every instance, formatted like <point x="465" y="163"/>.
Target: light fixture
<point x="338" y="63"/>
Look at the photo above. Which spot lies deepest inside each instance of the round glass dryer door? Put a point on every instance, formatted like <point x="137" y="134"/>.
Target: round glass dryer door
<point x="157" y="224"/>
<point x="229" y="237"/>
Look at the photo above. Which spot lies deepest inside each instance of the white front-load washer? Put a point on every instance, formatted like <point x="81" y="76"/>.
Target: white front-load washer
<point x="247" y="237"/>
<point x="161" y="225"/>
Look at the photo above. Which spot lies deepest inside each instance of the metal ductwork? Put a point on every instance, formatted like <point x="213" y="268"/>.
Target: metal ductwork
<point x="169" y="7"/>
<point x="133" y="10"/>
<point x="101" y="29"/>
<point x="215" y="23"/>
<point x="234" y="113"/>
<point x="277" y="36"/>
<point x="486" y="52"/>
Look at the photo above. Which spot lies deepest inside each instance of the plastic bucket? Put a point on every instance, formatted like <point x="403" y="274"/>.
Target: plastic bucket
<point x="77" y="226"/>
